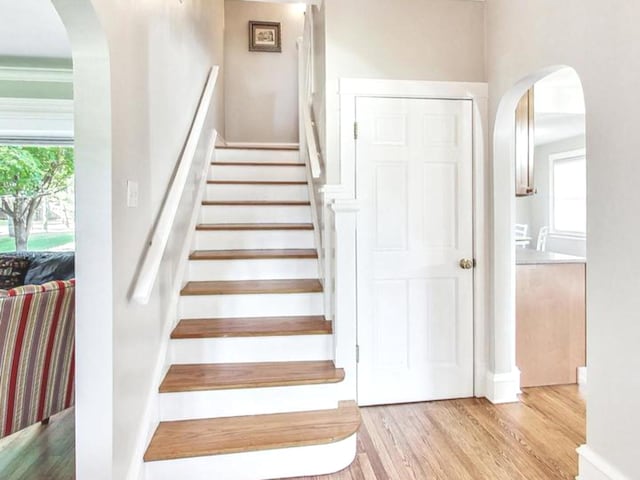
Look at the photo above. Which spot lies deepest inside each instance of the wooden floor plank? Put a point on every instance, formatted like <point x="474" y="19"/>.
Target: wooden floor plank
<point x="497" y="442"/>
<point x="254" y="226"/>
<point x="195" y="438"/>
<point x="254" y="254"/>
<point x="251" y="327"/>
<point x="222" y="376"/>
<point x="245" y="287"/>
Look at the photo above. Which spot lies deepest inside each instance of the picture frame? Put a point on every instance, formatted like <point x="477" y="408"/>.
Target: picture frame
<point x="265" y="37"/>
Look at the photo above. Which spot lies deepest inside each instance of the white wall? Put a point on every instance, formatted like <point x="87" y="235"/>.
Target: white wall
<point x="261" y="93"/>
<point x="402" y="40"/>
<point x="602" y="42"/>
<point x="534" y="210"/>
<point x="160" y="52"/>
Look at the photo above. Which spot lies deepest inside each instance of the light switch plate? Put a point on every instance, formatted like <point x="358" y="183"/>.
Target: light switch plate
<point x="132" y="194"/>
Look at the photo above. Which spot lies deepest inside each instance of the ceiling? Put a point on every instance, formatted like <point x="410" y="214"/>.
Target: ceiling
<point x="559" y="107"/>
<point x="32" y="28"/>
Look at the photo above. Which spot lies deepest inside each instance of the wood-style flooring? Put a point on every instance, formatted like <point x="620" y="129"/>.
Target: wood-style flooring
<point x="472" y="440"/>
<point x="40" y="452"/>
<point x="451" y="440"/>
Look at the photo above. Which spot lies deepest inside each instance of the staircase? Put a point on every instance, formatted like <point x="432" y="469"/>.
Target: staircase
<point x="252" y="391"/>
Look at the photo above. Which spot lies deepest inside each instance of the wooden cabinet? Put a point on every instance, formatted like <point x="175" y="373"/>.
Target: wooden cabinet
<point x="525" y="145"/>
<point x="550" y="323"/>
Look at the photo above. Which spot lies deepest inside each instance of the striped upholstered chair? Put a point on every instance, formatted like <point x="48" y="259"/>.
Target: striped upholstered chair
<point x="37" y="339"/>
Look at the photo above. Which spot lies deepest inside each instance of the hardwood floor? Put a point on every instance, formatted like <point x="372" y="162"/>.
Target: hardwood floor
<point x="450" y="440"/>
<point x="40" y="452"/>
<point x="472" y="440"/>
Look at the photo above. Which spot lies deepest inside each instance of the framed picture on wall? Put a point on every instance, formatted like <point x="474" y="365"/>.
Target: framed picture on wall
<point x="265" y="37"/>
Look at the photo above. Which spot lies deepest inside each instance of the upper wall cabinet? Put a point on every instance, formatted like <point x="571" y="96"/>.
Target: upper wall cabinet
<point x="525" y="145"/>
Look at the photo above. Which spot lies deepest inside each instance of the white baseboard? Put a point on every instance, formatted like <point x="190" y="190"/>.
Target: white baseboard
<point x="503" y="387"/>
<point x="480" y="380"/>
<point x="594" y="467"/>
<point x="261" y="145"/>
<point x="582" y="376"/>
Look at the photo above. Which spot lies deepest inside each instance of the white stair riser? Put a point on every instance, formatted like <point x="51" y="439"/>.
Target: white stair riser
<point x="262" y="305"/>
<point x="271" y="269"/>
<point x="257" y="173"/>
<point x="262" y="465"/>
<point x="298" y="193"/>
<point x="247" y="401"/>
<point x="251" y="349"/>
<point x="253" y="239"/>
<point x="267" y="156"/>
<point x="255" y="214"/>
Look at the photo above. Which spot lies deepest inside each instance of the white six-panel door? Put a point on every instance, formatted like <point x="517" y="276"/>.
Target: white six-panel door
<point x="415" y="302"/>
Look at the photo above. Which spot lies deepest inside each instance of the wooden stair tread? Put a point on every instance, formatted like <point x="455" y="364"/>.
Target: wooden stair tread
<point x="259" y="164"/>
<point x="251" y="327"/>
<point x="253" y="254"/>
<point x="200" y="377"/>
<point x="196" y="438"/>
<point x="243" y="287"/>
<point x="254" y="226"/>
<point x="227" y="147"/>
<point x="256" y="203"/>
<point x="255" y="182"/>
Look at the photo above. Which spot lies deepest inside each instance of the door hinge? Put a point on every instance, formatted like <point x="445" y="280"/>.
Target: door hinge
<point x="357" y="353"/>
<point x="355" y="130"/>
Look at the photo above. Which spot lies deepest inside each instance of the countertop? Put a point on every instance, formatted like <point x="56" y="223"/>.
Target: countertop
<point x="526" y="256"/>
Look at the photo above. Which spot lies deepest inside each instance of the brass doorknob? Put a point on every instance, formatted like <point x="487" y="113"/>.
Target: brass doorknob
<point x="466" y="264"/>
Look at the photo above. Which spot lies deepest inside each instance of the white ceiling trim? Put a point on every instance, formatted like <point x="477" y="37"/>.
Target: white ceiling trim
<point x="35" y="74"/>
<point x="30" y="117"/>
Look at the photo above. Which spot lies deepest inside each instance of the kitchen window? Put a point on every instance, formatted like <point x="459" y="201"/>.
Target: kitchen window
<point x="568" y="202"/>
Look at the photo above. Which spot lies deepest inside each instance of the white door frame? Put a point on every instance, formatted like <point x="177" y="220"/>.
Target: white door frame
<point x="350" y="89"/>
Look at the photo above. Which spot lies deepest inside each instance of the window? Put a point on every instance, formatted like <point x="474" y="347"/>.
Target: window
<point x="36" y="197"/>
<point x="568" y="173"/>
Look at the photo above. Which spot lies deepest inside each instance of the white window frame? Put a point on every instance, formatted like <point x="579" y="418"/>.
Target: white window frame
<point x="579" y="153"/>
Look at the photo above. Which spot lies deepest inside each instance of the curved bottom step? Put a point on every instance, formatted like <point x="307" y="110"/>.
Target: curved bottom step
<point x="216" y="436"/>
<point x="260" y="465"/>
<point x="255" y="447"/>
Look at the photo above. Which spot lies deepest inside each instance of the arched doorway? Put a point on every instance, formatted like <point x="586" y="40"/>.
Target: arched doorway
<point x="503" y="334"/>
<point x="92" y="110"/>
<point x="40" y="33"/>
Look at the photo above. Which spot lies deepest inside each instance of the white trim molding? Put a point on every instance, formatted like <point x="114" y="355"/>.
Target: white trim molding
<point x="36" y="74"/>
<point x="36" y="117"/>
<point x="594" y="467"/>
<point x="582" y="376"/>
<point x="503" y="387"/>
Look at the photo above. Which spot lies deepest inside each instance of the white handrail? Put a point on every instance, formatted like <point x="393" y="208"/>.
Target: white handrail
<point x="312" y="145"/>
<point x="153" y="257"/>
<point x="305" y="54"/>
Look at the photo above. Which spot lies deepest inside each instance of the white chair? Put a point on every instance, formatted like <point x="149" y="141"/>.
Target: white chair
<point x="543" y="234"/>
<point x="521" y="230"/>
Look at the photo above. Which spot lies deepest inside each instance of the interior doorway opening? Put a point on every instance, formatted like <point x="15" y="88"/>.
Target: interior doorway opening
<point x="54" y="95"/>
<point x="540" y="231"/>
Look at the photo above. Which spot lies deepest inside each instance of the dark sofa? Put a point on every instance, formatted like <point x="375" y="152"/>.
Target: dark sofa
<point x="46" y="266"/>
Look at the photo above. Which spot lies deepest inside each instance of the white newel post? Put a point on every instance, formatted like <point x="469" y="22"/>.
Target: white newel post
<point x="345" y="321"/>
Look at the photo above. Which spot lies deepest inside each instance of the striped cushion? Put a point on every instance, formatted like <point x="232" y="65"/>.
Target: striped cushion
<point x="37" y="335"/>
